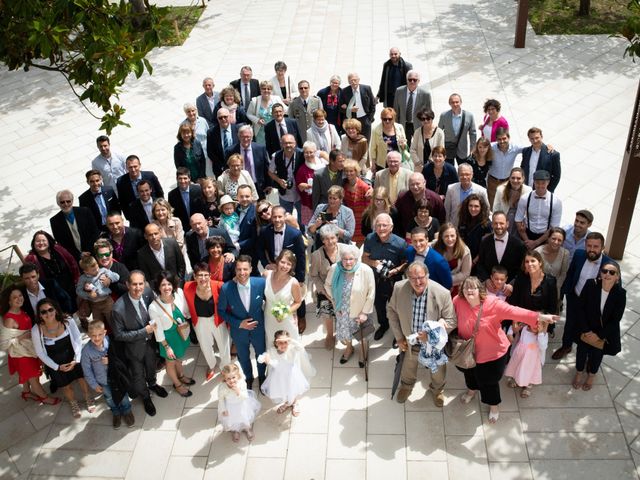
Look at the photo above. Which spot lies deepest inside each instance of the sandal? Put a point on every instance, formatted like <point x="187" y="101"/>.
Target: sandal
<point x="295" y="409"/>
<point x="525" y="393"/>
<point x="91" y="405"/>
<point x="467" y="397"/>
<point x="589" y="383"/>
<point x="29" y="396"/>
<point x="282" y="408"/>
<point x="493" y="416"/>
<point x="75" y="409"/>
<point x="511" y="383"/>
<point x="577" y="384"/>
<point x="235" y="436"/>
<point x="186" y="380"/>
<point x="47" y="400"/>
<point x="250" y="434"/>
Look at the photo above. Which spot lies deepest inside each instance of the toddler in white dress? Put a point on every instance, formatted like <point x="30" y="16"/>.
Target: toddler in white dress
<point x="237" y="406"/>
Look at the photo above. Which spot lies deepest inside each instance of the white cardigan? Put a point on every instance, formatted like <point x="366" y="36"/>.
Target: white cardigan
<point x="160" y="317"/>
<point x="335" y="141"/>
<point x="41" y="351"/>
<point x="363" y="290"/>
<point x="254" y="107"/>
<point x="499" y="205"/>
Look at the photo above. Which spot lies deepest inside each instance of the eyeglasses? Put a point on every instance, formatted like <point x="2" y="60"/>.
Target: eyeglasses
<point x="422" y="277"/>
<point x="65" y="202"/>
<point x="47" y="310"/>
<point x="471" y="289"/>
<point x="387" y="119"/>
<point x="103" y="255"/>
<point x="608" y="271"/>
<point x="412" y="80"/>
<point x="263" y="211"/>
<point x="222" y="116"/>
<point x="303" y="88"/>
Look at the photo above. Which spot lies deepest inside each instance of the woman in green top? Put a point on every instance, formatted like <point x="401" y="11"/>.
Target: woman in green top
<point x="168" y="312"/>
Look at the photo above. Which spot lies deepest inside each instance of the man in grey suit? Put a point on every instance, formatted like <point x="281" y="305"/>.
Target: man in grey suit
<point x="408" y="101"/>
<point x="459" y="130"/>
<point x="206" y="103"/>
<point x="302" y="108"/>
<point x="326" y="177"/>
<point x="393" y="178"/>
<point x="457" y="192"/>
<point x="130" y="322"/>
<point x="410" y="305"/>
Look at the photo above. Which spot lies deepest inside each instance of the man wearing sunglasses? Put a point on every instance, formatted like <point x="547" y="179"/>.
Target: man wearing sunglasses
<point x="408" y="101"/>
<point x="73" y="227"/>
<point x="584" y="266"/>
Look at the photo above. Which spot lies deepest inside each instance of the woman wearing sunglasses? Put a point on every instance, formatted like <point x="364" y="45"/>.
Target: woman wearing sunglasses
<point x="602" y="302"/>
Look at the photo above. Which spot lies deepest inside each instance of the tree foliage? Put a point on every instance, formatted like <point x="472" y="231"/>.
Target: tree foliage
<point x="631" y="31"/>
<point x="94" y="44"/>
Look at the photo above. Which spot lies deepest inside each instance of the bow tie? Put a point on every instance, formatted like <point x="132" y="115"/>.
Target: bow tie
<point x="278" y="233"/>
<point x="499" y="240"/>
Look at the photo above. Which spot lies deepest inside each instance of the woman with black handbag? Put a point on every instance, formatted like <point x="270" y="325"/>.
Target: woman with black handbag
<point x="602" y="302"/>
<point x="479" y="318"/>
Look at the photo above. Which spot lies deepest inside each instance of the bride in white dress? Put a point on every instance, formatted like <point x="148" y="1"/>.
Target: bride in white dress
<point x="282" y="287"/>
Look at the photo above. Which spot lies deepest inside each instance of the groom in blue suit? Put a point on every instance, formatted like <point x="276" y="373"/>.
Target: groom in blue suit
<point x="240" y="305"/>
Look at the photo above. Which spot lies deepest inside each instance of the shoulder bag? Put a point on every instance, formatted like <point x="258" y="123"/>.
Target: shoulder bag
<point x="463" y="352"/>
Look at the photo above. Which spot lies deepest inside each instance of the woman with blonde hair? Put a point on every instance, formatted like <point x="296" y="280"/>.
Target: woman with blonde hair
<point x="356" y="193"/>
<point x="355" y="145"/>
<point x="322" y="133"/>
<point x="386" y="137"/>
<point x="189" y="152"/>
<point x="380" y="203"/>
<point x="455" y="252"/>
<point x="170" y="226"/>
<point x="235" y="176"/>
<point x="211" y="212"/>
<point x="230" y="99"/>
<point x="508" y="195"/>
<point x="259" y="111"/>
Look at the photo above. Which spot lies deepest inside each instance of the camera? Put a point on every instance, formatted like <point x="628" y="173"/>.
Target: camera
<point x="326" y="217"/>
<point x="289" y="184"/>
<point x="384" y="268"/>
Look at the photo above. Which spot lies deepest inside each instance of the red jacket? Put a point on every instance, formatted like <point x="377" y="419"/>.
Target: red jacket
<point x="189" y="290"/>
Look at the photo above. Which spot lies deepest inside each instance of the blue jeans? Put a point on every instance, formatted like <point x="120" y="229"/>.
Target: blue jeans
<point x="125" y="404"/>
<point x="288" y="206"/>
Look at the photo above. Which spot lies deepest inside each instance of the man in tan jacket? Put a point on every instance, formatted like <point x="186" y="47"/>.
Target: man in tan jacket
<point x="413" y="301"/>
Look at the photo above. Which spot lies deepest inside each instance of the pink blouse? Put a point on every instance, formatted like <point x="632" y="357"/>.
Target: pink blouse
<point x="491" y="341"/>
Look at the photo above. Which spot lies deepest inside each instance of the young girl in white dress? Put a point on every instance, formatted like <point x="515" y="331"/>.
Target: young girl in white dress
<point x="237" y="406"/>
<point x="288" y="373"/>
<point x="282" y="288"/>
<point x="527" y="357"/>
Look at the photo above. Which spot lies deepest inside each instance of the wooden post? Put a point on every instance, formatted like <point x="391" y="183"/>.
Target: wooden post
<point x="521" y="23"/>
<point x="627" y="190"/>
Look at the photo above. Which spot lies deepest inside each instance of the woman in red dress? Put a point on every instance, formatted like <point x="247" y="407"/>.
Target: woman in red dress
<point x="15" y="338"/>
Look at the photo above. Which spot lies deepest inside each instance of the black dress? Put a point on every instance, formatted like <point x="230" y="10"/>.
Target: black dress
<point x="472" y="236"/>
<point x="60" y="350"/>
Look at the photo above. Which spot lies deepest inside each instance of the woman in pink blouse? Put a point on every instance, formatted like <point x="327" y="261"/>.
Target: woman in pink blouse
<point x="492" y="120"/>
<point x="491" y="344"/>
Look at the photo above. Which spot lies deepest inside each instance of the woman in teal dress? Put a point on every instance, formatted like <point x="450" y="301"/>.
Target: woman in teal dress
<point x="259" y="111"/>
<point x="168" y="312"/>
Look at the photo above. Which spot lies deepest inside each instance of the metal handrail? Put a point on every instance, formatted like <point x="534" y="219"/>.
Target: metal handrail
<point x="14" y="249"/>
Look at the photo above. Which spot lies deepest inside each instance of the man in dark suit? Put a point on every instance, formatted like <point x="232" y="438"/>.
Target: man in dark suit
<point x="585" y="265"/>
<point x="186" y="198"/>
<point x="537" y="157"/>
<point x="276" y="237"/>
<point x="245" y="316"/>
<point x="247" y="86"/>
<point x="327" y="177"/>
<point x="255" y="158"/>
<point x="127" y="184"/>
<point x="279" y="126"/>
<point x="126" y="241"/>
<point x="130" y="322"/>
<point x="282" y="170"/>
<point x="359" y="103"/>
<point x="500" y="248"/>
<point x="206" y="102"/>
<point x="247" y="212"/>
<point x="73" y="227"/>
<point x="220" y="140"/>
<point x="99" y="199"/>
<point x="35" y="289"/>
<point x="141" y="209"/>
<point x="394" y="75"/>
<point x="160" y="254"/>
<point x="195" y="240"/>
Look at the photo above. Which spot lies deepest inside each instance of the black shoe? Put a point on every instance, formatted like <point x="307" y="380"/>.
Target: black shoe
<point x="149" y="407"/>
<point x="394" y="344"/>
<point x="380" y="333"/>
<point x="360" y="364"/>
<point x="249" y="383"/>
<point x="129" y="419"/>
<point x="117" y="421"/>
<point x="158" y="390"/>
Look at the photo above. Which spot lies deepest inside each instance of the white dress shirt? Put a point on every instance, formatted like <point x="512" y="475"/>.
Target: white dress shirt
<point x="589" y="270"/>
<point x="501" y="245"/>
<point x="535" y="209"/>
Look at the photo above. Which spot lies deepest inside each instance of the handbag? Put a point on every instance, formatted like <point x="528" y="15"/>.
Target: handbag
<point x="599" y="343"/>
<point x="460" y="351"/>
<point x="184" y="329"/>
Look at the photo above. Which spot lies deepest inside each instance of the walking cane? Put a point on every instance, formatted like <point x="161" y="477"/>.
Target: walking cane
<point x="364" y="355"/>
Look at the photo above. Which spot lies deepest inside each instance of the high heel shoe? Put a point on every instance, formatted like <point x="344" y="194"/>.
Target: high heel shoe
<point x="47" y="400"/>
<point x="29" y="396"/>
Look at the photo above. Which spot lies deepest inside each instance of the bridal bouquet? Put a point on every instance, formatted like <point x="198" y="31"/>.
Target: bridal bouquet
<point x="280" y="310"/>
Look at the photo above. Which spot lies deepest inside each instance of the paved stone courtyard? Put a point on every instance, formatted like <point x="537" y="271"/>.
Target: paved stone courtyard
<point x="579" y="90"/>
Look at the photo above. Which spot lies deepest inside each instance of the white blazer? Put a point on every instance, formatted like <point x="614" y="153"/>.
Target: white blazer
<point x="363" y="290"/>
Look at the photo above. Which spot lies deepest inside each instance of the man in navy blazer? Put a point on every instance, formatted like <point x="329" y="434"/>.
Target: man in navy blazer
<point x="206" y="102"/>
<point x="221" y="138"/>
<point x="279" y="126"/>
<point x="241" y="306"/>
<point x="99" y="199"/>
<point x="141" y="209"/>
<point x="546" y="160"/>
<point x="359" y="102"/>
<point x="71" y="220"/>
<point x="256" y="155"/>
<point x="438" y="267"/>
<point x="584" y="266"/>
<point x="127" y="184"/>
<point x="270" y="247"/>
<point x="186" y="198"/>
<point x="246" y="84"/>
<point x="248" y="232"/>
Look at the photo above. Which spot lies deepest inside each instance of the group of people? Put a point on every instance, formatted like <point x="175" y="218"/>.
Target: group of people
<point x="430" y="230"/>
